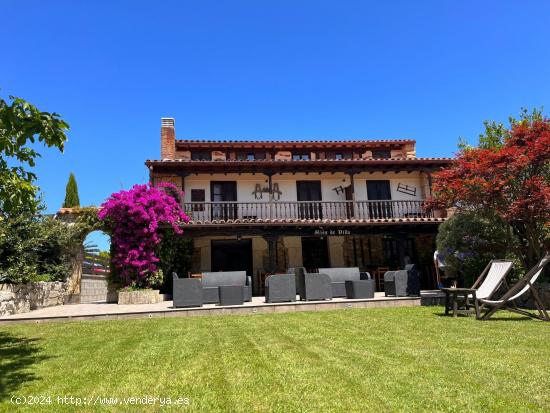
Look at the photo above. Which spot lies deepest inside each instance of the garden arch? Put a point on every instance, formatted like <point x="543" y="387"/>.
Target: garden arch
<point x="88" y="281"/>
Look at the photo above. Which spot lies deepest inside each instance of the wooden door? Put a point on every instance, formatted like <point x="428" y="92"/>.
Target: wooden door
<point x="315" y="253"/>
<point x="379" y="190"/>
<point x="349" y="205"/>
<point x="309" y="191"/>
<point x="223" y="194"/>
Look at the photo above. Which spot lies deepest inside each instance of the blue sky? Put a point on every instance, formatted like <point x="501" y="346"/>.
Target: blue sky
<point x="427" y="70"/>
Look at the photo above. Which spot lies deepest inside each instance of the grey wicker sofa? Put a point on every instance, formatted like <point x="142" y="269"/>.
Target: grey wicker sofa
<point x="212" y="280"/>
<point x="312" y="286"/>
<point x="402" y="283"/>
<point x="340" y="276"/>
<point x="280" y="288"/>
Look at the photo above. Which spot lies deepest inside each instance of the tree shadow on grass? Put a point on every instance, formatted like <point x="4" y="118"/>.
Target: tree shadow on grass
<point x="498" y="318"/>
<point x="450" y="316"/>
<point x="17" y="356"/>
<point x="518" y="318"/>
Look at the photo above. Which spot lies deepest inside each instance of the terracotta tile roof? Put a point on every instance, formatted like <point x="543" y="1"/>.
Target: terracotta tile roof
<point x="75" y="210"/>
<point x="295" y="141"/>
<point x="260" y="161"/>
<point x="315" y="222"/>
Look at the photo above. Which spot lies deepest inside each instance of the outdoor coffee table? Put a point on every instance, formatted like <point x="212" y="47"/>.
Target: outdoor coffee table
<point x="454" y="295"/>
<point x="231" y="294"/>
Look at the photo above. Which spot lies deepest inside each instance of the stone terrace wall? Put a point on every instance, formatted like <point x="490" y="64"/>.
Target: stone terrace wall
<point x="22" y="298"/>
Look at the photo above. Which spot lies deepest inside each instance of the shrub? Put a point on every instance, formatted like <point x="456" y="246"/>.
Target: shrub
<point x="136" y="219"/>
<point x="468" y="241"/>
<point x="35" y="248"/>
<point x="175" y="253"/>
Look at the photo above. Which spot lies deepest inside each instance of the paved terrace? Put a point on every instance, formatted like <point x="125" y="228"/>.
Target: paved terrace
<point x="107" y="311"/>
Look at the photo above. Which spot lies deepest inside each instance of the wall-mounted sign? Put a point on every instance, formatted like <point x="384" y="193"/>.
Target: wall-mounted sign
<point x="332" y="231"/>
<point x="406" y="189"/>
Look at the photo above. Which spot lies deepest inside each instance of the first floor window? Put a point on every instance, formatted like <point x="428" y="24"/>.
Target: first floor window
<point x="300" y="156"/>
<point x="198" y="195"/>
<point x="381" y="154"/>
<point x="201" y="156"/>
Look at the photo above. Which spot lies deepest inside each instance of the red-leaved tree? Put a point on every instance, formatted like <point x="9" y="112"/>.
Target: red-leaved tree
<point x="511" y="179"/>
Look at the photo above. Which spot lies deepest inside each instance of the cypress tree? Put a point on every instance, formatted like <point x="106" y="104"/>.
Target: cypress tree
<point x="71" y="193"/>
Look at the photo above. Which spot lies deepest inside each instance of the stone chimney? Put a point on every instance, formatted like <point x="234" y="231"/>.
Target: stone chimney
<point x="410" y="150"/>
<point x="167" y="138"/>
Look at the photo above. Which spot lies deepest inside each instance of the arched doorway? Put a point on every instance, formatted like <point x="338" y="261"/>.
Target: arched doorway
<point x="94" y="281"/>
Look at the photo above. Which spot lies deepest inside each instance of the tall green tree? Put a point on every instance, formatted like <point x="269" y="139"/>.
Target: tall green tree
<point x="21" y="126"/>
<point x="71" y="193"/>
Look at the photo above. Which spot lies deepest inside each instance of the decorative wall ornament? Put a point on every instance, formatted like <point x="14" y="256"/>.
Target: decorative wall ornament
<point x="275" y="192"/>
<point x="258" y="191"/>
<point x="406" y="189"/>
<point x="339" y="190"/>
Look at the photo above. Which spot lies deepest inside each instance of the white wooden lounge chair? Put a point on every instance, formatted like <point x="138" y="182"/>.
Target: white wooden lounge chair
<point x="486" y="285"/>
<point x="491" y="278"/>
<point x="507" y="301"/>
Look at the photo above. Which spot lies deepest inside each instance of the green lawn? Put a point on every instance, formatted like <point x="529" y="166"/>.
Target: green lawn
<point x="380" y="360"/>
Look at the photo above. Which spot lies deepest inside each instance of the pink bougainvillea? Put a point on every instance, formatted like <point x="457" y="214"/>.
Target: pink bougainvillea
<point x="136" y="218"/>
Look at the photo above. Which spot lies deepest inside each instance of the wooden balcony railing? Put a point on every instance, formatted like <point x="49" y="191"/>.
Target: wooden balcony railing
<point x="299" y="211"/>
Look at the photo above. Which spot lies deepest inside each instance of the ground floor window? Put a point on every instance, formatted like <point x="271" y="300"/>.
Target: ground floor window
<point x="232" y="255"/>
<point x="393" y="255"/>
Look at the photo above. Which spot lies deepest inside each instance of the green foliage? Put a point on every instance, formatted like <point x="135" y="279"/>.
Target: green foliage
<point x="496" y="133"/>
<point x="113" y="273"/>
<point x="105" y="254"/>
<point x="175" y="254"/>
<point x="468" y="241"/>
<point x="156" y="279"/>
<point x="132" y="287"/>
<point x="35" y="249"/>
<point x="41" y="248"/>
<point x="71" y="193"/>
<point x="87" y="221"/>
<point x="22" y="125"/>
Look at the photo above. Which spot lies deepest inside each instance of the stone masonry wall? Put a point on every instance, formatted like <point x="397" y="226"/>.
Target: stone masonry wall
<point x="96" y="288"/>
<point x="22" y="298"/>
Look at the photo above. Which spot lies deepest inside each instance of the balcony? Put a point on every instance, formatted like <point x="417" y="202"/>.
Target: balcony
<point x="306" y="212"/>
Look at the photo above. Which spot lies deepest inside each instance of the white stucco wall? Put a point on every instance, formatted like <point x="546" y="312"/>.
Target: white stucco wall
<point x="287" y="184"/>
<point x="414" y="180"/>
